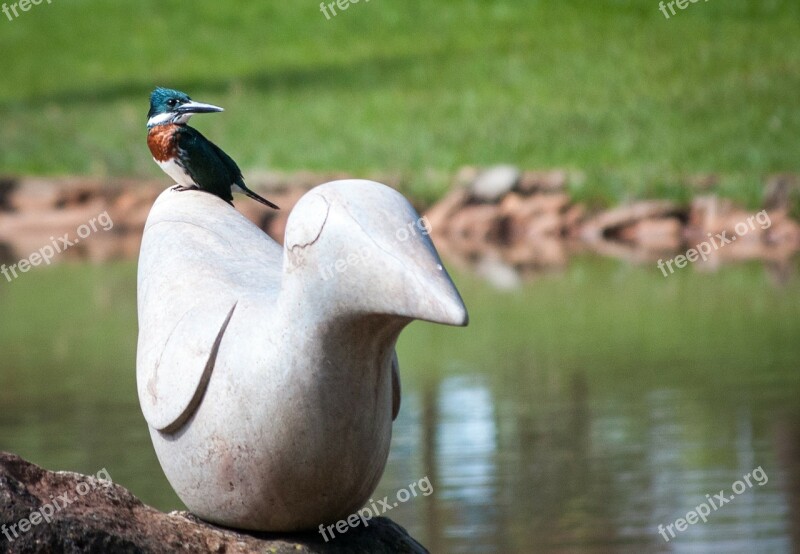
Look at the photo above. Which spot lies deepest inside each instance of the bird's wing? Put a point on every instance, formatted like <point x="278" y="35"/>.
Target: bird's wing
<point x="208" y="166"/>
<point x="233" y="169"/>
<point x="212" y="169"/>
<point x="237" y="177"/>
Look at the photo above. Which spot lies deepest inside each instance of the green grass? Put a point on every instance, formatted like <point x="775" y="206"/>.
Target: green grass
<point x="611" y="88"/>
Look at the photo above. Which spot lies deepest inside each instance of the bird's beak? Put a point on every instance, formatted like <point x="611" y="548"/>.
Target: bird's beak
<point x="193" y="107"/>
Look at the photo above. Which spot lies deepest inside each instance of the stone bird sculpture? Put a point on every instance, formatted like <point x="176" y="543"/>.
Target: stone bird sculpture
<point x="267" y="374"/>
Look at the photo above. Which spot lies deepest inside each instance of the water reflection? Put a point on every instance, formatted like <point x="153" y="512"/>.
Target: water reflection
<point x="561" y="471"/>
<point x="561" y="420"/>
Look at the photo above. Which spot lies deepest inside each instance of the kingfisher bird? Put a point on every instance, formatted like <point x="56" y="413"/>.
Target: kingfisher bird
<point x="183" y="153"/>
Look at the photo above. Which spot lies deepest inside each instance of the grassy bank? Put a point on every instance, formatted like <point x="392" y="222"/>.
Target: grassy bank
<point x="612" y="88"/>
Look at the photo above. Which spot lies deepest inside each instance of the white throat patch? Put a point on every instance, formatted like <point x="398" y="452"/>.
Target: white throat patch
<point x="168" y="117"/>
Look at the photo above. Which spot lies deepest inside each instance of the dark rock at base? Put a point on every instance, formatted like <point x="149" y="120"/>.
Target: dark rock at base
<point x="102" y="517"/>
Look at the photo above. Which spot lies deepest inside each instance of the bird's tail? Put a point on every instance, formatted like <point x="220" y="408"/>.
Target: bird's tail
<point x="257" y="198"/>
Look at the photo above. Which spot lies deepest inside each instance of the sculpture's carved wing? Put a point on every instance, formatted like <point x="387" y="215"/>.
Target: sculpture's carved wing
<point x="395" y="386"/>
<point x="173" y="371"/>
<point x="198" y="259"/>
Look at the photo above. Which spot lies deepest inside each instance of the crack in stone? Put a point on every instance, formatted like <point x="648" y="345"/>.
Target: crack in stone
<point x="321" y="227"/>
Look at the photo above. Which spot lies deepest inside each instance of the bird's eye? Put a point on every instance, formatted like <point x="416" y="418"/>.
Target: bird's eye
<point x="171" y="102"/>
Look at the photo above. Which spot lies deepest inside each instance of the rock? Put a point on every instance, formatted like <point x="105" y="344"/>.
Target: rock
<point x="545" y="225"/>
<point x="778" y="192"/>
<point x="525" y="207"/>
<point x="706" y="213"/>
<point x="7" y="254"/>
<point x="492" y="184"/>
<point x="28" y="232"/>
<point x="513" y="206"/>
<point x="543" y="181"/>
<point x="533" y="216"/>
<point x="768" y="235"/>
<point x="440" y="213"/>
<point x="614" y="220"/>
<point x="712" y="215"/>
<point x="783" y="230"/>
<point x="79" y="192"/>
<point x="465" y="176"/>
<point x="103" y="517"/>
<point x="32" y="195"/>
<point x="476" y="222"/>
<point x="573" y="218"/>
<point x="661" y="234"/>
<point x="7" y="186"/>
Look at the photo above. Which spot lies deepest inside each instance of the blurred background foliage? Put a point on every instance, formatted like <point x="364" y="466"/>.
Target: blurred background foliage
<point x="610" y="88"/>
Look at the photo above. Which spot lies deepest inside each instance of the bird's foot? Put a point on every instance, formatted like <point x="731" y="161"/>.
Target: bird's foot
<point x="181" y="188"/>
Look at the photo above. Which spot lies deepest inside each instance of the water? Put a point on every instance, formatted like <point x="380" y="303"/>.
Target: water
<point x="574" y="415"/>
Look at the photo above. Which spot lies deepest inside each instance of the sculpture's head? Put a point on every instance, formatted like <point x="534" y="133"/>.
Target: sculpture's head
<point x="362" y="246"/>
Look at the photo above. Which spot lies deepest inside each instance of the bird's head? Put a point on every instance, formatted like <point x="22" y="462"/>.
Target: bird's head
<point x="173" y="106"/>
<point x="361" y="246"/>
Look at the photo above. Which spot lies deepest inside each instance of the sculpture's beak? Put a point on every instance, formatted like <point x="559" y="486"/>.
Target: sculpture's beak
<point x="428" y="292"/>
<point x="436" y="299"/>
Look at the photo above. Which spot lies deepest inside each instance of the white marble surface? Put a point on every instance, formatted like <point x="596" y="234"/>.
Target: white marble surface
<point x="267" y="375"/>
